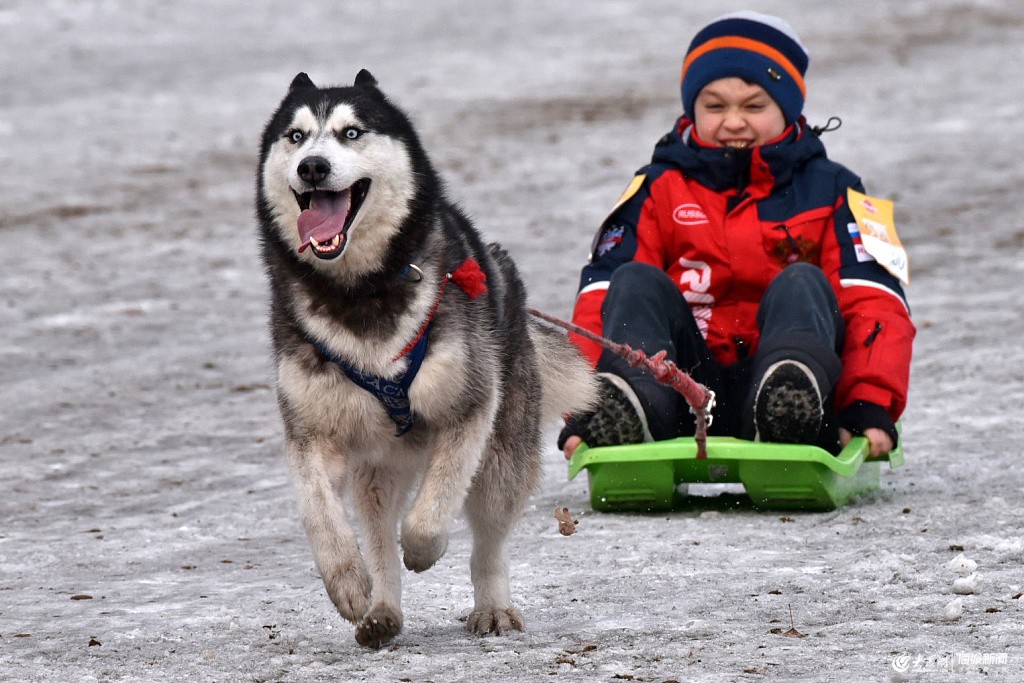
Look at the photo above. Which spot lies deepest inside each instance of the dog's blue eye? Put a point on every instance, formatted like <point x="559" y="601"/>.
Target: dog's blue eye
<point x="296" y="136"/>
<point x="352" y="133"/>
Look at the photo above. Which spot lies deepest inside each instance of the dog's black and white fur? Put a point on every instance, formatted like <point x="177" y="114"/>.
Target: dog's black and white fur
<point x="359" y="242"/>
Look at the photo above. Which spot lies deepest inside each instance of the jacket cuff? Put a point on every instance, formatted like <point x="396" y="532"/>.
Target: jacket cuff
<point x="862" y="415"/>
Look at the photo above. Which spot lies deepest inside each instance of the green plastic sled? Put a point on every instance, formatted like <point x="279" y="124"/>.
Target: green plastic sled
<point x="645" y="477"/>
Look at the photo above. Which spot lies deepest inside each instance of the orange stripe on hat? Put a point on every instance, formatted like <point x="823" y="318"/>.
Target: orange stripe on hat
<point x="752" y="46"/>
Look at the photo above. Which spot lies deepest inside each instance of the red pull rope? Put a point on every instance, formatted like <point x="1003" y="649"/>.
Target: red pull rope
<point x="700" y="398"/>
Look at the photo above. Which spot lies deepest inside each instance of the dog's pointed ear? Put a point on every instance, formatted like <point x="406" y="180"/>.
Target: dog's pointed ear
<point x="364" y="77"/>
<point x="300" y="82"/>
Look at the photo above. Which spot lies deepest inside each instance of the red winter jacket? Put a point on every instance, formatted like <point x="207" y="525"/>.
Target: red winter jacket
<point x="722" y="228"/>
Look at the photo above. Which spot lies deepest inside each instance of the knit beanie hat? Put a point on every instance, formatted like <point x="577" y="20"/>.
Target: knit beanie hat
<point x="756" y="47"/>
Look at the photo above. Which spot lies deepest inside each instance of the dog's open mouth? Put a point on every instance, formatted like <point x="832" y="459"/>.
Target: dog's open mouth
<point x="326" y="217"/>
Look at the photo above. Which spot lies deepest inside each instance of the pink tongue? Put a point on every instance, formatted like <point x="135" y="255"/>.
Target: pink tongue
<point x="324" y="219"/>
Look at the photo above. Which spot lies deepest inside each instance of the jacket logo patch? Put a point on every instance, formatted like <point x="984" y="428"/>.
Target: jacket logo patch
<point x="689" y="214"/>
<point x="610" y="238"/>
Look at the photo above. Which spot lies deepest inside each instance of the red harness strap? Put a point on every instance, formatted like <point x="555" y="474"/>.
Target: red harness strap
<point x="469" y="278"/>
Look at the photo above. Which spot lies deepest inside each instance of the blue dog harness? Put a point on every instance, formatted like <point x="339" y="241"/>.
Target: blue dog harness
<point x="393" y="394"/>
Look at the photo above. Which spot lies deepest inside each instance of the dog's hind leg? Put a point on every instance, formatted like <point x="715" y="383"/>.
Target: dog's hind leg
<point x="331" y="537"/>
<point x="378" y="494"/>
<point x="496" y="501"/>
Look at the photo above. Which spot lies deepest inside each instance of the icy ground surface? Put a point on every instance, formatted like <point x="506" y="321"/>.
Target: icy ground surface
<point x="148" y="530"/>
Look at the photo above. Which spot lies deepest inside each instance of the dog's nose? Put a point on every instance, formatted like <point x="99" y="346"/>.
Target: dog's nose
<point x="314" y="169"/>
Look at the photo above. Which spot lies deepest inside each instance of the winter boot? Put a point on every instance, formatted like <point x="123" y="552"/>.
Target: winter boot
<point x="788" y="404"/>
<point x="617" y="419"/>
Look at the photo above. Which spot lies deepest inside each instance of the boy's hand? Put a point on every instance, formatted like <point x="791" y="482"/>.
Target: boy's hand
<point x="871" y="420"/>
<point x="881" y="443"/>
<point x="571" y="444"/>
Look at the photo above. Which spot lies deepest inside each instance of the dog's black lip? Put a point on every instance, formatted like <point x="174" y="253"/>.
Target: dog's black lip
<point x="359" y="190"/>
<point x="328" y="256"/>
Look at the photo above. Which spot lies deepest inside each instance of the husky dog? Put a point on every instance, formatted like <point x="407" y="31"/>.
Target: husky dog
<point x="410" y="378"/>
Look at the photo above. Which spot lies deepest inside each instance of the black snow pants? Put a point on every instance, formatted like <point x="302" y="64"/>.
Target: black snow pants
<point x="798" y="318"/>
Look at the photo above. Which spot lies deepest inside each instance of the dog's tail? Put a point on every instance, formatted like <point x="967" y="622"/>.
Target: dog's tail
<point x="568" y="383"/>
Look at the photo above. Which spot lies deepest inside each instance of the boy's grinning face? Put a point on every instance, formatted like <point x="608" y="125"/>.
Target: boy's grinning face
<point x="731" y="112"/>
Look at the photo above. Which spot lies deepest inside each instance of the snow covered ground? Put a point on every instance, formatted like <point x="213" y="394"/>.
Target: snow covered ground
<point x="148" y="530"/>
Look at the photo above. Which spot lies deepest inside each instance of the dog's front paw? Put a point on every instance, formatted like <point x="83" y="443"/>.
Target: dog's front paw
<point x="484" y="621"/>
<point x="379" y="626"/>
<point x="421" y="550"/>
<point x="349" y="589"/>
